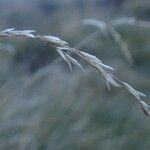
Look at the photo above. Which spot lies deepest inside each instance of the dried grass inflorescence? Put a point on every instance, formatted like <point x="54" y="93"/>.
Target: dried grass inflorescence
<point x="64" y="50"/>
<point x="109" y="29"/>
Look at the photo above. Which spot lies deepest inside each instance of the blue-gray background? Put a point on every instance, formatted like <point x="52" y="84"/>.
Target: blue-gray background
<point x="45" y="107"/>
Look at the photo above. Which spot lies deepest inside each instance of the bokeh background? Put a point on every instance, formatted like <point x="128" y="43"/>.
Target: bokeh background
<point x="43" y="106"/>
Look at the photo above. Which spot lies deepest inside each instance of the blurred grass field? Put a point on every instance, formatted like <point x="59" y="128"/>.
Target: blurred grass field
<point x="50" y="108"/>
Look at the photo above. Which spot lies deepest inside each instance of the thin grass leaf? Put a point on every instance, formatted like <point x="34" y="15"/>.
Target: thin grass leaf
<point x="124" y="47"/>
<point x="61" y="54"/>
<point x="134" y="92"/>
<point x="97" y="23"/>
<point x="109" y="78"/>
<point x="138" y="95"/>
<point x="70" y="66"/>
<point x="108" y="85"/>
<point x="66" y="59"/>
<point x="106" y="66"/>
<point x="75" y="62"/>
<point x="146" y="108"/>
<point x="90" y="57"/>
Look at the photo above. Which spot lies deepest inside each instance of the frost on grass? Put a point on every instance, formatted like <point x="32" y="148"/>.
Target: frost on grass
<point x="65" y="51"/>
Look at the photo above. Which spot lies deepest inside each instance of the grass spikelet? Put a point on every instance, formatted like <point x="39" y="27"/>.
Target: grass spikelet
<point x="134" y="92"/>
<point x="138" y="95"/>
<point x="13" y="32"/>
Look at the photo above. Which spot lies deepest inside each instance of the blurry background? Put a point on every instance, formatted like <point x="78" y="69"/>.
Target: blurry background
<point x="45" y="107"/>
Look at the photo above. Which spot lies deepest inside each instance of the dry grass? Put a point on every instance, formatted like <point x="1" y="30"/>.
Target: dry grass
<point x="65" y="51"/>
